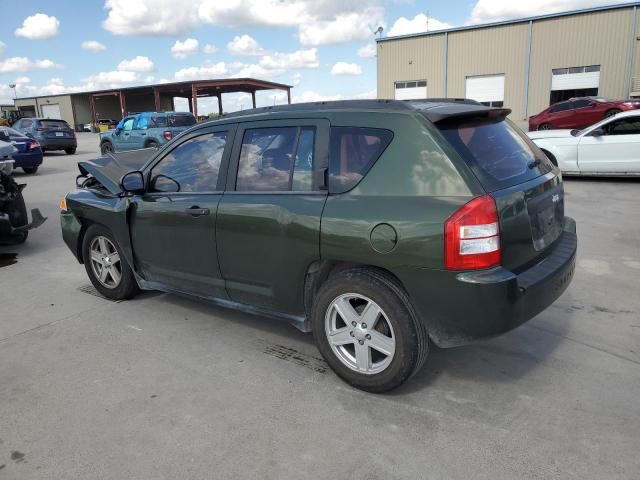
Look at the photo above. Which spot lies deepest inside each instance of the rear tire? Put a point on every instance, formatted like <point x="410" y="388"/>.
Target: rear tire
<point x="70" y="151"/>
<point x="612" y="112"/>
<point x="106" y="148"/>
<point x="368" y="294"/>
<point x="544" y="126"/>
<point x="30" y="170"/>
<point x="152" y="144"/>
<point x="106" y="266"/>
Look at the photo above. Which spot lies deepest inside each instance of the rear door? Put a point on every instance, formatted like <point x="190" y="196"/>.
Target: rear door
<point x="524" y="183"/>
<point x="268" y="225"/>
<point x="173" y="226"/>
<point x="616" y="151"/>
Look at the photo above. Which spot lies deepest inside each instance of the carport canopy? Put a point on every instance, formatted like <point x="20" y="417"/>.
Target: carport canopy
<point x="149" y="97"/>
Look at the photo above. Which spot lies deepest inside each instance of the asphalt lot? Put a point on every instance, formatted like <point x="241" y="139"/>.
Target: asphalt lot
<point x="166" y="387"/>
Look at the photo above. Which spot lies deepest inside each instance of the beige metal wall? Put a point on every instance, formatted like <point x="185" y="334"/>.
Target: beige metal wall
<point x="490" y="51"/>
<point x="599" y="38"/>
<point x="420" y="58"/>
<point x="64" y="101"/>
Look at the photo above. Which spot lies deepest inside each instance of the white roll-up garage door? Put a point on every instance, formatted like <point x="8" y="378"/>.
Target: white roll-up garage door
<point x="51" y="111"/>
<point x="412" y="90"/>
<point x="485" y="89"/>
<point x="576" y="78"/>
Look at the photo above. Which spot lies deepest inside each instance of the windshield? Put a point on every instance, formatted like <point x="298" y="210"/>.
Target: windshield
<point x="497" y="151"/>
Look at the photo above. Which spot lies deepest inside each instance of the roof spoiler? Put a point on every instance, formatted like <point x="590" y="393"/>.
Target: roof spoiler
<point x="466" y="112"/>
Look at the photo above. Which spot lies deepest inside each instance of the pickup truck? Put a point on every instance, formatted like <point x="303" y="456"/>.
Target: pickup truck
<point x="145" y="130"/>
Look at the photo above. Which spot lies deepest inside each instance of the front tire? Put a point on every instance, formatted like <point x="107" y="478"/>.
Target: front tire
<point x="366" y="329"/>
<point x="106" y="266"/>
<point x="106" y="148"/>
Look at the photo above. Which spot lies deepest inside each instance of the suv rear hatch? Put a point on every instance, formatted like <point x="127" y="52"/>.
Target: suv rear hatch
<point x="526" y="187"/>
<point x="55" y="129"/>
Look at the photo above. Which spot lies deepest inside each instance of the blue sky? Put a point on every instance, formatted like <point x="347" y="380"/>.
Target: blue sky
<point x="323" y="47"/>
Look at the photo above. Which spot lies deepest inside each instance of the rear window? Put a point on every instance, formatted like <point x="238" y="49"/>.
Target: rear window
<point x="54" y="124"/>
<point x="499" y="154"/>
<point x="352" y="153"/>
<point x="181" y="120"/>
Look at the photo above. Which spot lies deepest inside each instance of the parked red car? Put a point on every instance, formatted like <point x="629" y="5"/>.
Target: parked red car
<point x="579" y="112"/>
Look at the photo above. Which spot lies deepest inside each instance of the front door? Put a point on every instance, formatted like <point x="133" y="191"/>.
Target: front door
<point x="268" y="225"/>
<point x="173" y="229"/>
<point x="616" y="151"/>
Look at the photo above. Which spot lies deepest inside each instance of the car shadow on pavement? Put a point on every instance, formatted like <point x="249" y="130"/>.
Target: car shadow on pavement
<point x="502" y="359"/>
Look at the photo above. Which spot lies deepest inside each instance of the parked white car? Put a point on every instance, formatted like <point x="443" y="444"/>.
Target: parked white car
<point x="610" y="147"/>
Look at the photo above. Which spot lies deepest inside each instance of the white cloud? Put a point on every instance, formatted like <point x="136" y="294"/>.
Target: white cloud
<point x="285" y="61"/>
<point x="137" y="64"/>
<point x="203" y="72"/>
<point x="244" y="45"/>
<point x="149" y="79"/>
<point x="3" y="48"/>
<point x="113" y="79"/>
<point x="318" y="22"/>
<point x="342" y="28"/>
<point x="367" y="95"/>
<point x="368" y="51"/>
<point x="310" y="96"/>
<point x="418" y="24"/>
<point x="486" y="11"/>
<point x="94" y="46"/>
<point x="344" y="68"/>
<point x="210" y="49"/>
<point x="150" y="17"/>
<point x="38" y="27"/>
<point x="24" y="64"/>
<point x="296" y="79"/>
<point x="184" y="49"/>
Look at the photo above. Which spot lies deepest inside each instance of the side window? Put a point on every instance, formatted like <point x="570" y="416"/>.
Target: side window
<point x="158" y="121"/>
<point x="581" y="103"/>
<point x="560" y="107"/>
<point x="276" y="160"/>
<point x="627" y="126"/>
<point x="193" y="166"/>
<point x="128" y="124"/>
<point x="352" y="153"/>
<point x="142" y="123"/>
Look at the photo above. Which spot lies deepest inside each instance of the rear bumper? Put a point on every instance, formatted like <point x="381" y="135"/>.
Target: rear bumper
<point x="463" y="307"/>
<point x="29" y="160"/>
<point x="57" y="143"/>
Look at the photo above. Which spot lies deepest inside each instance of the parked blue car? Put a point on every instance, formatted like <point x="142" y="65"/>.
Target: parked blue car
<point x="29" y="156"/>
<point x="145" y="130"/>
<point x="50" y="133"/>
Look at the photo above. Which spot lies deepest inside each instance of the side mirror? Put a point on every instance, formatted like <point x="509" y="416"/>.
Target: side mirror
<point x="598" y="132"/>
<point x="593" y="104"/>
<point x="132" y="182"/>
<point x="163" y="184"/>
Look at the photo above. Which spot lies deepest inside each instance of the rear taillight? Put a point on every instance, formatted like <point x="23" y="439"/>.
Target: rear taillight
<point x="34" y="146"/>
<point x="167" y="135"/>
<point x="472" y="236"/>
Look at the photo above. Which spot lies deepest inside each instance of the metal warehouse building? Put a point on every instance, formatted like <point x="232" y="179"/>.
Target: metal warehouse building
<point x="525" y="64"/>
<point x="88" y="107"/>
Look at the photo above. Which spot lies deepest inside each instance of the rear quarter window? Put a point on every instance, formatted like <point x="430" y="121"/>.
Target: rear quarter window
<point x="499" y="154"/>
<point x="181" y="120"/>
<point x="353" y="151"/>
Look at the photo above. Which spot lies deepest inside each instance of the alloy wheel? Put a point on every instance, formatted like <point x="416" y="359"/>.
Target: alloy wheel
<point x="360" y="334"/>
<point x="105" y="262"/>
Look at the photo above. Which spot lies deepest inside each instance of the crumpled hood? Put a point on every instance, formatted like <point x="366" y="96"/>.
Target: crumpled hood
<point x="108" y="170"/>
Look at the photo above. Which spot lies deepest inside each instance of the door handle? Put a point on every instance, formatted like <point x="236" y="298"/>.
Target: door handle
<point x="196" y="211"/>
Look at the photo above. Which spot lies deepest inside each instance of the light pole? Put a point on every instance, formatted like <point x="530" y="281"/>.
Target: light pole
<point x="379" y="31"/>
<point x="15" y="93"/>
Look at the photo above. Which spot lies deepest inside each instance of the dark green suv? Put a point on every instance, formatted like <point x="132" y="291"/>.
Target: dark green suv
<point x="376" y="225"/>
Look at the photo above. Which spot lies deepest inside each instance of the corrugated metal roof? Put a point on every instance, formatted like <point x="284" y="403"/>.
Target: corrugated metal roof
<point x="513" y="21"/>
